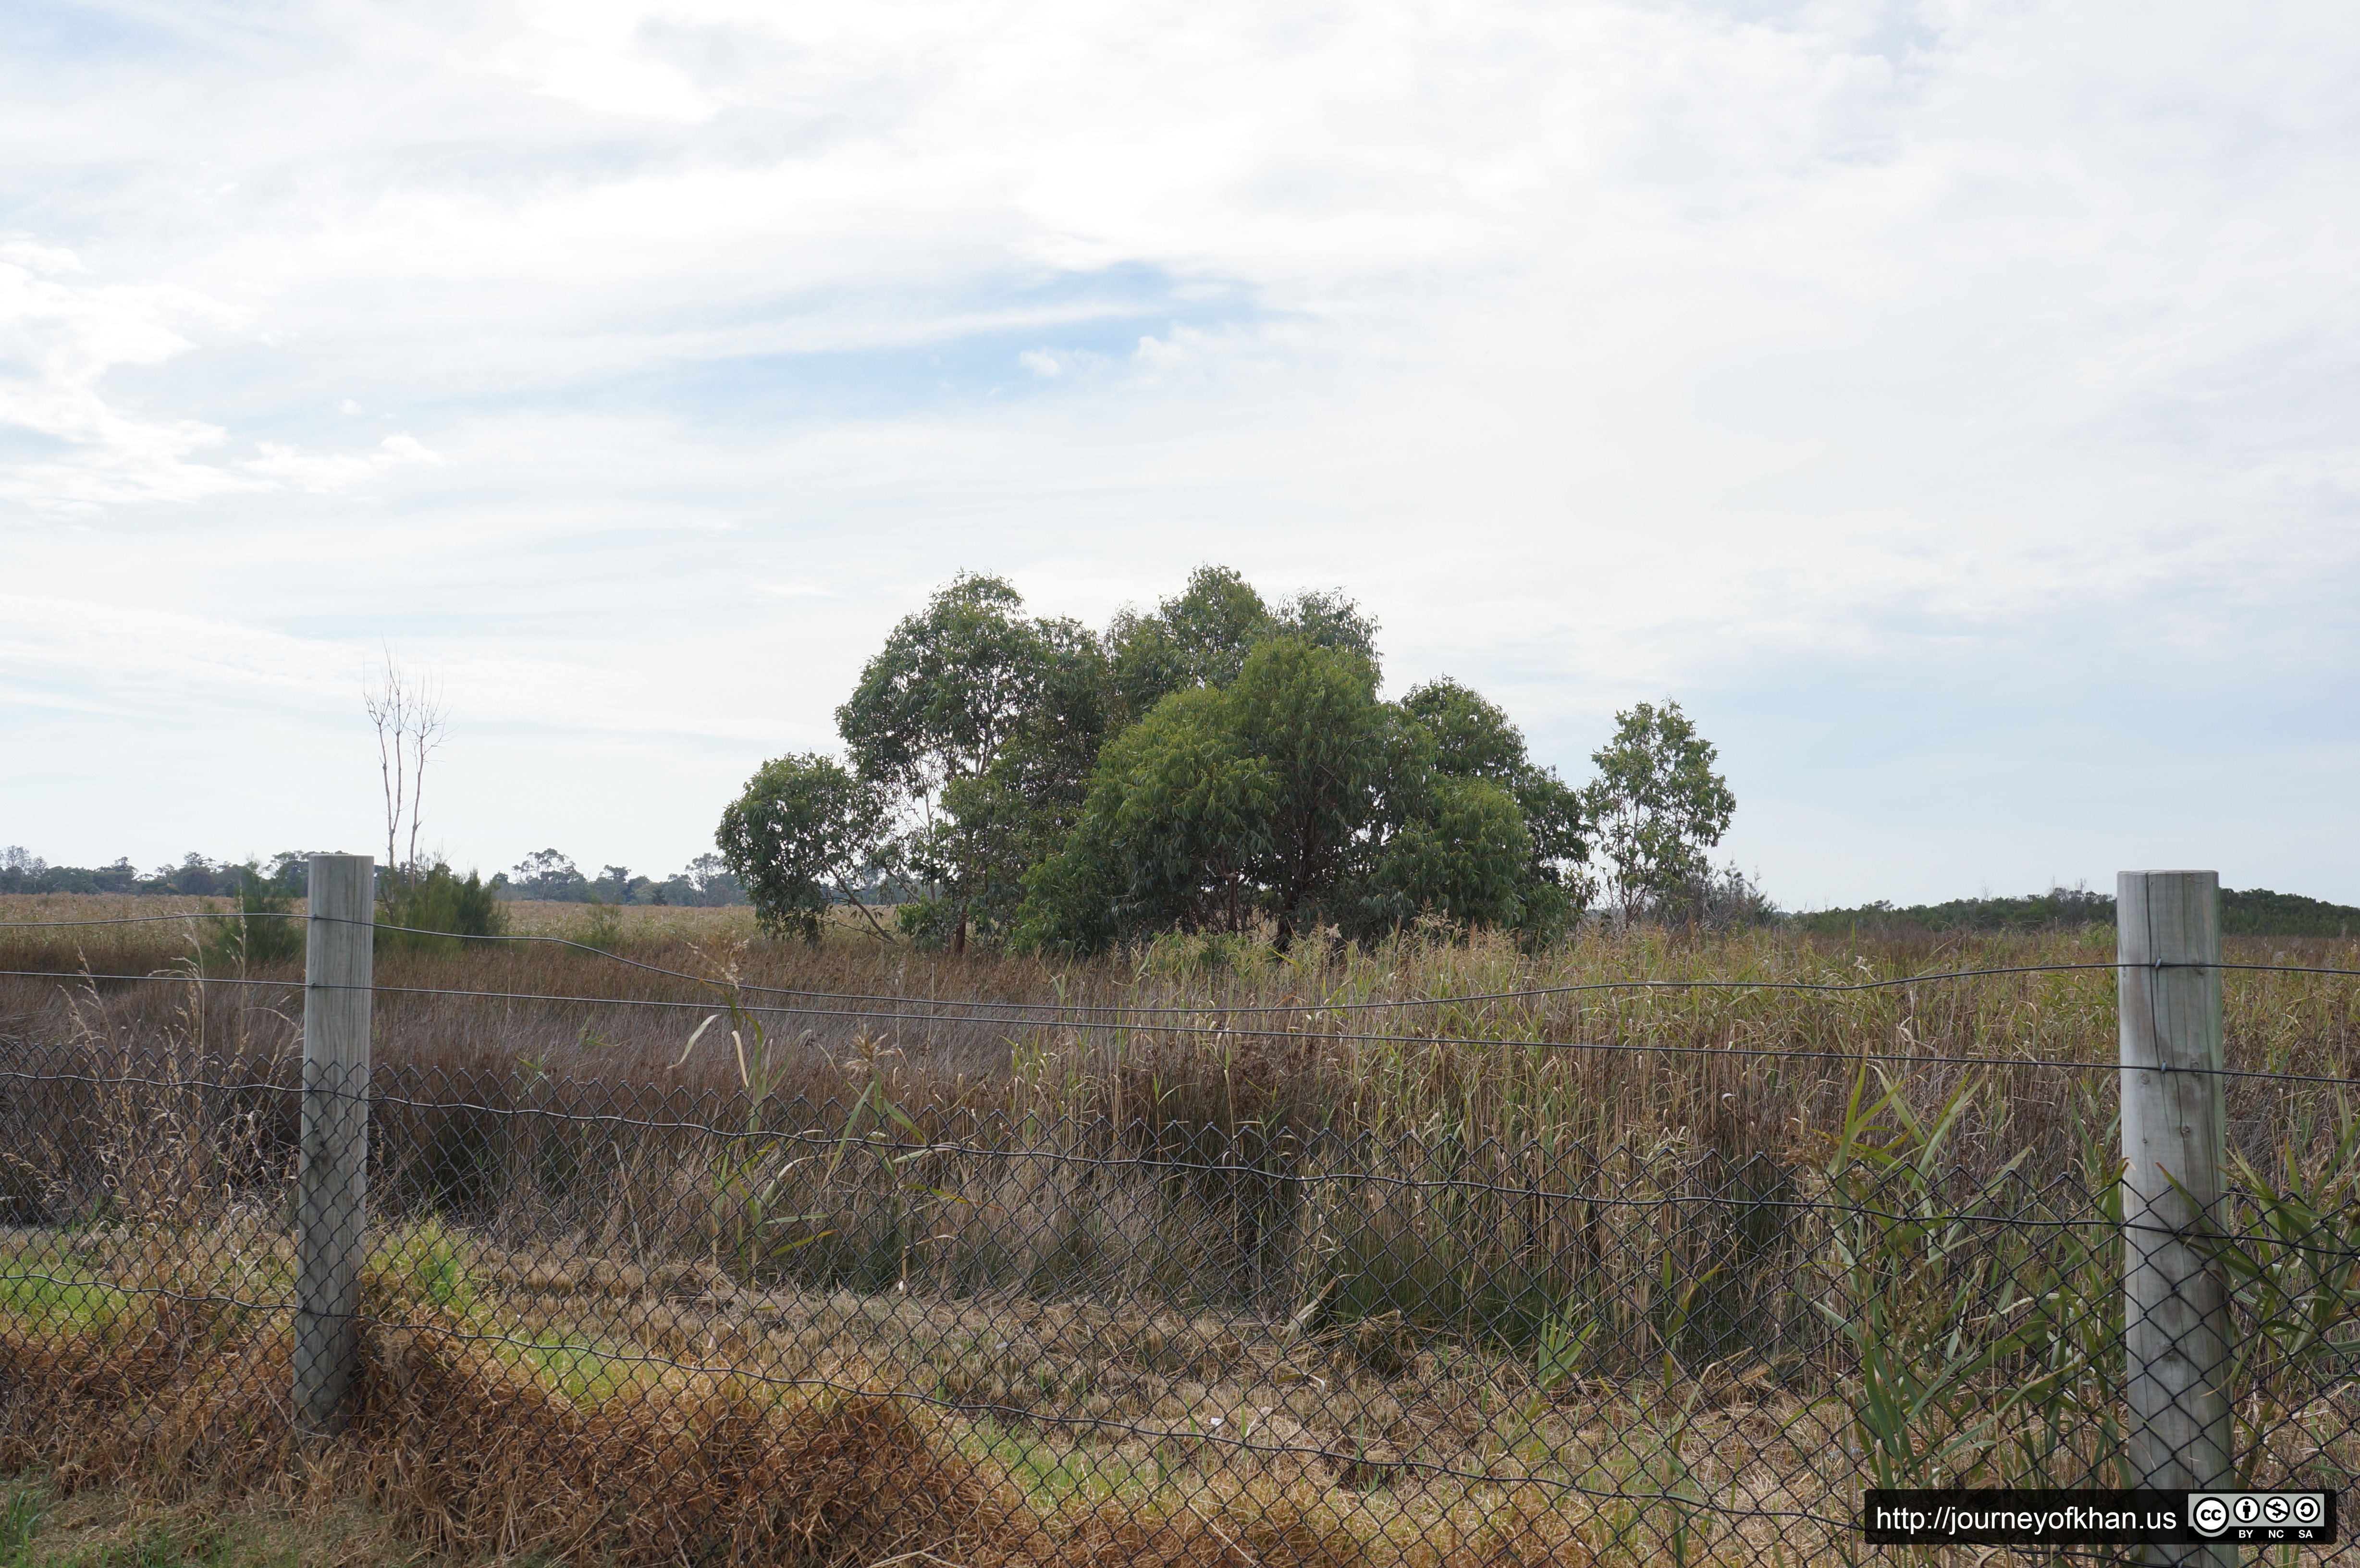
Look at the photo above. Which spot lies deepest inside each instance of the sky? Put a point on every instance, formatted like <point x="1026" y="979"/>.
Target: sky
<point x="1954" y="406"/>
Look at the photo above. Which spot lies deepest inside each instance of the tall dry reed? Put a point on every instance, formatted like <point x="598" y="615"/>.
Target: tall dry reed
<point x="1220" y="1285"/>
<point x="1254" y="1040"/>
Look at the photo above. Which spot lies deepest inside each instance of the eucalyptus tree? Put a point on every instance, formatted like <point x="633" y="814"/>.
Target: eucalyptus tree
<point x="950" y="685"/>
<point x="981" y="725"/>
<point x="1221" y="763"/>
<point x="1291" y="794"/>
<point x="799" y="838"/>
<point x="1202" y="636"/>
<point x="1656" y="806"/>
<point x="1474" y="740"/>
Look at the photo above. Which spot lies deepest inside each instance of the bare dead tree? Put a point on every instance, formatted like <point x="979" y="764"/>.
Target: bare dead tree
<point x="410" y="723"/>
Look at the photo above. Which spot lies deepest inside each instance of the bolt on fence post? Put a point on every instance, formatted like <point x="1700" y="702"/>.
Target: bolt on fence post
<point x="331" y="1175"/>
<point x="2175" y="1319"/>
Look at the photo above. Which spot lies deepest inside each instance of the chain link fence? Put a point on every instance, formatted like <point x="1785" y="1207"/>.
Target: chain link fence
<point x="600" y="1321"/>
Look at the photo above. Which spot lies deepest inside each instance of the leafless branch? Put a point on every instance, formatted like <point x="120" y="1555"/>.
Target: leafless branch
<point x="410" y="722"/>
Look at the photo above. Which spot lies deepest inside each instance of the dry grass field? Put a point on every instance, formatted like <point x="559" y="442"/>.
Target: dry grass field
<point x="1202" y="1032"/>
<point x="1201" y="1254"/>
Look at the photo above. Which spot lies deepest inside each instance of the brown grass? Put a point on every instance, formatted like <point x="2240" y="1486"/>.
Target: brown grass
<point x="1703" y="1066"/>
<point x="132" y="1527"/>
<point x="470" y="1455"/>
<point x="578" y="1408"/>
<point x="1010" y="1336"/>
<point x="474" y="1457"/>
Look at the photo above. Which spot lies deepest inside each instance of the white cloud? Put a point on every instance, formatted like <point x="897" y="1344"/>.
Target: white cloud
<point x="59" y="338"/>
<point x="333" y="473"/>
<point x="1060" y="363"/>
<point x="1602" y="347"/>
<point x="592" y="53"/>
<point x="145" y="656"/>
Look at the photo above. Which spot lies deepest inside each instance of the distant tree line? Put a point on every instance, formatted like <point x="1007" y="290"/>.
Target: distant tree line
<point x="2253" y="911"/>
<point x="1222" y="764"/>
<point x="545" y="873"/>
<point x="194" y="875"/>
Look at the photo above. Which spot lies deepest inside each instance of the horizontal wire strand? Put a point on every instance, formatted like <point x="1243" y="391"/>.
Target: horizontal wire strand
<point x="1492" y="1043"/>
<point x="1207" y="1009"/>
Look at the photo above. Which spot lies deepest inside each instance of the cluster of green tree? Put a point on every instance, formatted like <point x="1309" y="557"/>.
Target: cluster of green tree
<point x="1223" y="763"/>
<point x="2258" y="911"/>
<point x="547" y="874"/>
<point x="2253" y="912"/>
<point x="2036" y="911"/>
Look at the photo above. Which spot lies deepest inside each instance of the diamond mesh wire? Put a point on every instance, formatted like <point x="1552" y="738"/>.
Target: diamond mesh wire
<point x="635" y="1323"/>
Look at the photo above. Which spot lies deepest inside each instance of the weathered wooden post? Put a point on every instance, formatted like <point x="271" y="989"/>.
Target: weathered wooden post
<point x="331" y="1175"/>
<point x="2176" y="1323"/>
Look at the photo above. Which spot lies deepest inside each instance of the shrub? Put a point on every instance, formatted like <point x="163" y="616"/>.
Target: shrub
<point x="602" y="928"/>
<point x="439" y="902"/>
<point x="260" y="929"/>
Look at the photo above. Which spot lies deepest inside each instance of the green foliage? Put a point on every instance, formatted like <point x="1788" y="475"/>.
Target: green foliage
<point x="20" y="1517"/>
<point x="260" y="928"/>
<point x="798" y="838"/>
<point x="774" y="1197"/>
<point x="991" y="827"/>
<point x="2292" y="1261"/>
<point x="1175" y="820"/>
<point x="972" y="855"/>
<point x="1988" y="1333"/>
<point x="438" y="902"/>
<point x="2056" y="908"/>
<point x="1291" y="793"/>
<point x="1330" y="620"/>
<point x="951" y="683"/>
<point x="2253" y="911"/>
<point x="981" y="725"/>
<point x="1199" y="638"/>
<point x="1071" y="904"/>
<point x="602" y="928"/>
<point x="1225" y="801"/>
<point x="1465" y="857"/>
<point x="2258" y="911"/>
<point x="427" y="1264"/>
<point x="1474" y="740"/>
<point x="1656" y="806"/>
<point x="1218" y="766"/>
<point x="1203" y="636"/>
<point x="547" y="874"/>
<point x="1311" y="714"/>
<point x="927" y="922"/>
<point x="2066" y="1379"/>
<point x="1929" y="1307"/>
<point x="1472" y="737"/>
<point x="1559" y="1350"/>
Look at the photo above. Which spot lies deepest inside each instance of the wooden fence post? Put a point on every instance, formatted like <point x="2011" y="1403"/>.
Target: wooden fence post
<point x="331" y="1175"/>
<point x="2175" y="1322"/>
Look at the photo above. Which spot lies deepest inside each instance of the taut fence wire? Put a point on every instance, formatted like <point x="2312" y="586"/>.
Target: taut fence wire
<point x="640" y="1323"/>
